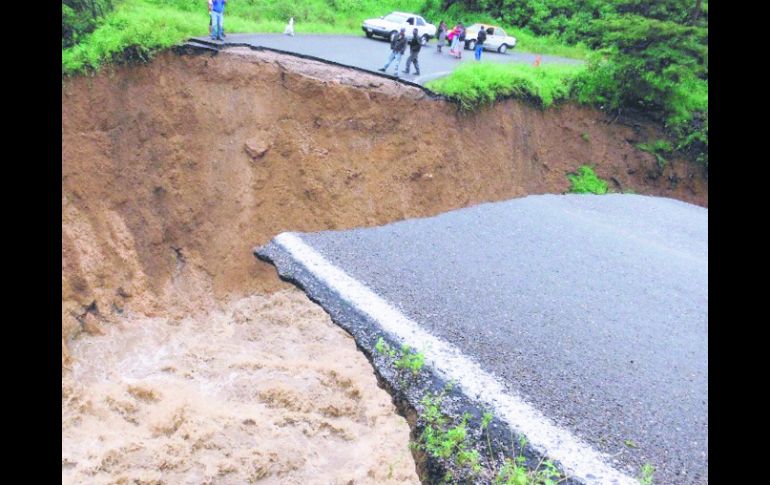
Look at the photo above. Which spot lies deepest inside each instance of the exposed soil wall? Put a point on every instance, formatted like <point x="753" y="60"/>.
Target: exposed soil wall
<point x="172" y="171"/>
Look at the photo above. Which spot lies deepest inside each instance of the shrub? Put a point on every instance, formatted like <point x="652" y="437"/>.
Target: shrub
<point x="585" y="181"/>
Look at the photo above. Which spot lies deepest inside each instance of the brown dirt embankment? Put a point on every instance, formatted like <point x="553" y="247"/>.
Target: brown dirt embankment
<point x="173" y="170"/>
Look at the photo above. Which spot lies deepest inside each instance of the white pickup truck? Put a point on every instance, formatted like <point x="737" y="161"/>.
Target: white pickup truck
<point x="389" y="25"/>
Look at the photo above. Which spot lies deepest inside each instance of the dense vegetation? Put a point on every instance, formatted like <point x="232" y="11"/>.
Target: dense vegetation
<point x="80" y="17"/>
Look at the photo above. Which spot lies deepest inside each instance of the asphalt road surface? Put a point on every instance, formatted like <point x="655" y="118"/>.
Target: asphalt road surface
<point x="593" y="309"/>
<point x="372" y="54"/>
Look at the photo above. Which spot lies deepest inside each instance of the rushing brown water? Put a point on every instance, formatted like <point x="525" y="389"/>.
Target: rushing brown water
<point x="266" y="388"/>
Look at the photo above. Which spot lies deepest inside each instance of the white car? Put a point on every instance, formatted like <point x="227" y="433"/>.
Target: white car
<point x="497" y="39"/>
<point x="389" y="25"/>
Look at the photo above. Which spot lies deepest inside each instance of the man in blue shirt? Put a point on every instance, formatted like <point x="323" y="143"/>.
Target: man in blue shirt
<point x="217" y="10"/>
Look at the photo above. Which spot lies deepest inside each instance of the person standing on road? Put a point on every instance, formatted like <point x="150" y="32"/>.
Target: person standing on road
<point x="480" y="43"/>
<point x="454" y="39"/>
<point x="397" y="48"/>
<point x="217" y="11"/>
<point x="461" y="40"/>
<point x="441" y="36"/>
<point x="414" y="51"/>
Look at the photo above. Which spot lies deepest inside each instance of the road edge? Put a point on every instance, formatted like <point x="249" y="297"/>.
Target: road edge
<point x="366" y="317"/>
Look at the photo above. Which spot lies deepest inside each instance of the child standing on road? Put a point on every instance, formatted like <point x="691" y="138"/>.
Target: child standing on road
<point x="441" y="36"/>
<point x="414" y="50"/>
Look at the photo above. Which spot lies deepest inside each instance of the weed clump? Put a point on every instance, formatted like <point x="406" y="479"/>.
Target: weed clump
<point x="585" y="181"/>
<point x="441" y="438"/>
<point x="646" y="473"/>
<point x="406" y="359"/>
<point x="448" y="440"/>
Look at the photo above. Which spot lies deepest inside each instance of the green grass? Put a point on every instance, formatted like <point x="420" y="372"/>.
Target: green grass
<point x="135" y="29"/>
<point x="528" y="42"/>
<point x="585" y="181"/>
<point x="474" y="85"/>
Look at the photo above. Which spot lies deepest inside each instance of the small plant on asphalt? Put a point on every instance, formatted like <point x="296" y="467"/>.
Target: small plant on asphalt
<point x="515" y="472"/>
<point x="447" y="439"/>
<point x="384" y="349"/>
<point x="407" y="361"/>
<point x="441" y="439"/>
<point x="410" y="360"/>
<point x="645" y="474"/>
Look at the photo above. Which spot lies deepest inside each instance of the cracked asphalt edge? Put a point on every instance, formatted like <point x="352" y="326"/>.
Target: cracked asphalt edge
<point x="366" y="317"/>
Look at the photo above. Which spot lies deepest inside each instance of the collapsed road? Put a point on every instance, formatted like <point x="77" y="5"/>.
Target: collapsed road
<point x="581" y="321"/>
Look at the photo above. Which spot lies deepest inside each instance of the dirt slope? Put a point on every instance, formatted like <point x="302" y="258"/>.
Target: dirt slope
<point x="173" y="171"/>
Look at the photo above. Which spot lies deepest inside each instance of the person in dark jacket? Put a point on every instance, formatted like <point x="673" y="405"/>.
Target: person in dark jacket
<point x="442" y="31"/>
<point x="480" y="39"/>
<point x="414" y="51"/>
<point x="397" y="48"/>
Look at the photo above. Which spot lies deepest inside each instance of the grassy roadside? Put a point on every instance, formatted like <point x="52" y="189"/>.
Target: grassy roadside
<point x="528" y="42"/>
<point x="475" y="85"/>
<point x="136" y="29"/>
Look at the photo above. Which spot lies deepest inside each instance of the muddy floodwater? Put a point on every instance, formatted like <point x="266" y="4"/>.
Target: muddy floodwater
<point x="264" y="388"/>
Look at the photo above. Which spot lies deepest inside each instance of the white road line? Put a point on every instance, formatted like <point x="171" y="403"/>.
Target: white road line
<point x="578" y="458"/>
